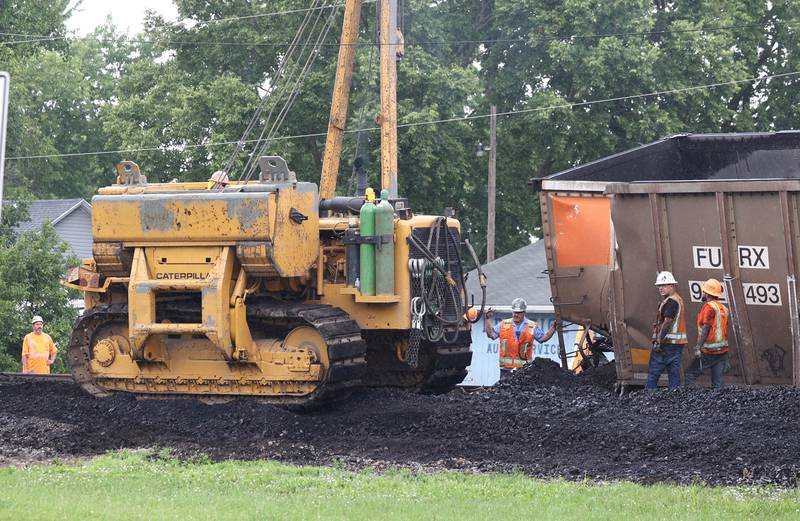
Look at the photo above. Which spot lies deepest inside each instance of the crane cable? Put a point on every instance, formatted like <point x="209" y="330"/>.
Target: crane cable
<point x="310" y="60"/>
<point x="267" y="96"/>
<point x="263" y="143"/>
<point x="287" y="78"/>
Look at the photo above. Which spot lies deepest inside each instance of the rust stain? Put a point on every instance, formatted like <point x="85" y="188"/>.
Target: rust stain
<point x="156" y="215"/>
<point x="248" y="211"/>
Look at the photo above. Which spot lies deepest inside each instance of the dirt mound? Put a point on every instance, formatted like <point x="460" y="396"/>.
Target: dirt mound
<point x="604" y="376"/>
<point x="540" y="372"/>
<point x="543" y="372"/>
<point x="541" y="420"/>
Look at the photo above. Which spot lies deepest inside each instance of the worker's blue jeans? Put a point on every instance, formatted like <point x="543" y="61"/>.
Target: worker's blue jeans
<point x="670" y="359"/>
<point x="717" y="364"/>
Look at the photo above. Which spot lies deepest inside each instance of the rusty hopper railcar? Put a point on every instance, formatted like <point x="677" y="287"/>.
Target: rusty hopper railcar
<point x="716" y="205"/>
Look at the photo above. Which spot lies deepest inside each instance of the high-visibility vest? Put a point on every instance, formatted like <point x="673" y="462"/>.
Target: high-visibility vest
<point x="39" y="349"/>
<point x="677" y="333"/>
<point x="515" y="353"/>
<point x="716" y="343"/>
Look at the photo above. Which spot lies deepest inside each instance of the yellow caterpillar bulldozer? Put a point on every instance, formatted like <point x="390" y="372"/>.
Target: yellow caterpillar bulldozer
<point x="272" y="287"/>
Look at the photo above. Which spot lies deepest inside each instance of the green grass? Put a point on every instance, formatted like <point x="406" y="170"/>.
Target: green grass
<point x="127" y="486"/>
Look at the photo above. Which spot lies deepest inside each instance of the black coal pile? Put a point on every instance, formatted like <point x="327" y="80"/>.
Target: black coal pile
<point x="604" y="376"/>
<point x="541" y="420"/>
<point x="541" y="372"/>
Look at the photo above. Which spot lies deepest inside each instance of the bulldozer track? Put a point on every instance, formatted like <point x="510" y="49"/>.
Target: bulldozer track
<point x="27" y="377"/>
<point x="347" y="352"/>
<point x="79" y="351"/>
<point x="346" y="348"/>
<point x="450" y="367"/>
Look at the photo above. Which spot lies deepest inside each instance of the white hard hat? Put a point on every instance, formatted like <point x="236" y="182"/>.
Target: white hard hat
<point x="664" y="278"/>
<point x="36" y="319"/>
<point x="518" y="305"/>
<point x="220" y="176"/>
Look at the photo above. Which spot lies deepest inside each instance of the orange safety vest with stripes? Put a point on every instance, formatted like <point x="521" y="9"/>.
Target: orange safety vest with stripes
<point x="515" y="353"/>
<point x="716" y="343"/>
<point x="38" y="349"/>
<point x="677" y="333"/>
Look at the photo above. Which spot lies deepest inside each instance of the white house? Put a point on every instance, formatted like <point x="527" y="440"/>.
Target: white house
<point x="71" y="218"/>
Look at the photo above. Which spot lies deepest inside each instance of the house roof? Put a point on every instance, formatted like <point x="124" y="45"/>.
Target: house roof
<point x="53" y="210"/>
<point x="521" y="273"/>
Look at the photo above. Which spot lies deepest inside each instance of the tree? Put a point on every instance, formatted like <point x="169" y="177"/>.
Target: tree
<point x="27" y="24"/>
<point x="165" y="109"/>
<point x="30" y="270"/>
<point x="436" y="168"/>
<point x="15" y="211"/>
<point x="178" y="91"/>
<point x="546" y="53"/>
<point x="51" y="101"/>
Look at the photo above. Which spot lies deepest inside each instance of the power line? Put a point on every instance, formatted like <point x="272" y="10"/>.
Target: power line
<point x="422" y="43"/>
<point x="439" y="121"/>
<point x="276" y="13"/>
<point x="160" y="148"/>
<point x="44" y="37"/>
<point x="609" y="100"/>
<point x="34" y="38"/>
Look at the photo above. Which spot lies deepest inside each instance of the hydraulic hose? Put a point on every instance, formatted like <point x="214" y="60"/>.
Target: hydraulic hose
<point x="481" y="281"/>
<point x="433" y="277"/>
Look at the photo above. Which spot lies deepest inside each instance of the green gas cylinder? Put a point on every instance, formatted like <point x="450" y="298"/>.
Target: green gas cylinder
<point x="366" y="226"/>
<point x="384" y="254"/>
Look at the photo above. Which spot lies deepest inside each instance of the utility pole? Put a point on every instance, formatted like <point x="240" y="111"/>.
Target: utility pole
<point x="492" y="184"/>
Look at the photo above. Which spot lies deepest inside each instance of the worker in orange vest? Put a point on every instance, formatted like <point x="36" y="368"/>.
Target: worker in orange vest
<point x="669" y="334"/>
<point x="516" y="336"/>
<point x="38" y="350"/>
<point x="711" y="350"/>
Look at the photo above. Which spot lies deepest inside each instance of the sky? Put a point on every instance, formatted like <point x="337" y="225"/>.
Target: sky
<point x="126" y="14"/>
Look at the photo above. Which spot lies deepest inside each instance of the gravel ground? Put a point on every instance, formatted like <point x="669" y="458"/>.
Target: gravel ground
<point x="542" y="421"/>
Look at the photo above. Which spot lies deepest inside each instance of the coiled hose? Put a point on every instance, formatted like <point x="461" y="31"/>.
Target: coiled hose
<point x="437" y="285"/>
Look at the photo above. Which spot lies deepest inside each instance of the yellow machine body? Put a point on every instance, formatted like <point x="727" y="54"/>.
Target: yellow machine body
<point x="214" y="252"/>
<point x="208" y="290"/>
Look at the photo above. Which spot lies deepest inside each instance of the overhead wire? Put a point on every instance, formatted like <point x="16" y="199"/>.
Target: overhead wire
<point x="310" y="60"/>
<point x="316" y="7"/>
<point x="278" y="13"/>
<point x="279" y="76"/>
<point x="411" y="43"/>
<point x="44" y="37"/>
<point x="448" y="120"/>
